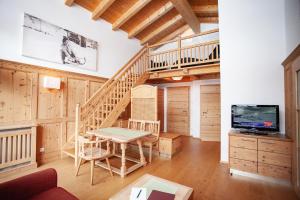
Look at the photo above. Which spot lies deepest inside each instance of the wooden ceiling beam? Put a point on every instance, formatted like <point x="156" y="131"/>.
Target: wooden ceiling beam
<point x="174" y="34"/>
<point x="185" y="10"/>
<point x="69" y="2"/>
<point x="208" y="9"/>
<point x="130" y="13"/>
<point x="101" y="8"/>
<point x="208" y="19"/>
<point x="162" y="28"/>
<point x="152" y="18"/>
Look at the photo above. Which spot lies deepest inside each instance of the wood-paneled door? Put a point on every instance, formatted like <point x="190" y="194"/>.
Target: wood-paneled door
<point x="298" y="130"/>
<point x="210" y="113"/>
<point x="178" y="114"/>
<point x="160" y="107"/>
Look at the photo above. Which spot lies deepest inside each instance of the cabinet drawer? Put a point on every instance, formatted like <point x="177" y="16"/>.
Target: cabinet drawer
<point x="243" y="165"/>
<point x="274" y="146"/>
<point x="274" y="159"/>
<point x="243" y="142"/>
<point x="244" y="154"/>
<point x="274" y="171"/>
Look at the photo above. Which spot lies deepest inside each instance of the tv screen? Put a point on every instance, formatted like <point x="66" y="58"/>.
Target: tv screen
<point x="259" y="117"/>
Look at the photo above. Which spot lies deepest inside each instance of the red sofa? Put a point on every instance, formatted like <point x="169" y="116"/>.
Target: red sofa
<point x="39" y="185"/>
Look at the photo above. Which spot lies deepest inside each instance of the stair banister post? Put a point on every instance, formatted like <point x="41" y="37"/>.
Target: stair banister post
<point x="179" y="51"/>
<point x="77" y="131"/>
<point x="148" y="63"/>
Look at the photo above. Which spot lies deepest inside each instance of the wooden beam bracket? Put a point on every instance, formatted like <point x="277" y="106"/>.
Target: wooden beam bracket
<point x="69" y="2"/>
<point x="185" y="10"/>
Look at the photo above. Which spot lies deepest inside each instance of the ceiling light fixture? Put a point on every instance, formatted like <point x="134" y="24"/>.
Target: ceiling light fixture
<point x="177" y="78"/>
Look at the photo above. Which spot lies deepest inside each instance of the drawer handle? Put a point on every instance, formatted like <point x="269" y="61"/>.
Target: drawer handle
<point x="245" y="140"/>
<point x="267" y="143"/>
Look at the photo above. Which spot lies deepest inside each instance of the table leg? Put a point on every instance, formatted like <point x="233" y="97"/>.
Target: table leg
<point x="114" y="148"/>
<point x="142" y="157"/>
<point x="123" y="160"/>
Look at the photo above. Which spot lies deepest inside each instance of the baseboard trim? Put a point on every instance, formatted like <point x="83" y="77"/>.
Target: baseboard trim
<point x="16" y="169"/>
<point x="260" y="177"/>
<point x="224" y="162"/>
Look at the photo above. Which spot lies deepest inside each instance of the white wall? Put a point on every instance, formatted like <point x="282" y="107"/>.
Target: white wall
<point x="194" y="102"/>
<point x="292" y="19"/>
<point x="115" y="49"/>
<point x="253" y="45"/>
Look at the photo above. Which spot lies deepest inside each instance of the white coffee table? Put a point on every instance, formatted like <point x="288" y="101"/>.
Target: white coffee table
<point x="155" y="183"/>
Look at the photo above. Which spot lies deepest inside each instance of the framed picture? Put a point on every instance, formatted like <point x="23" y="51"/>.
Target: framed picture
<point x="45" y="41"/>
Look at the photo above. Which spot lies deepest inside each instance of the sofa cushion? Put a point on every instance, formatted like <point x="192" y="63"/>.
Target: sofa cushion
<point x="57" y="193"/>
<point x="29" y="185"/>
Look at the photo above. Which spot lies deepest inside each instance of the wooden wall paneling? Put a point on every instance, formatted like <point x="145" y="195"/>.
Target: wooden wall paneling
<point x="34" y="96"/>
<point x="94" y="86"/>
<point x="50" y="102"/>
<point x="178" y="110"/>
<point x="22" y="96"/>
<point x="23" y="100"/>
<point x="210" y="122"/>
<point x="70" y="129"/>
<point x="50" y="140"/>
<point x="76" y="94"/>
<point x="144" y="102"/>
<point x="6" y="96"/>
<point x="87" y="90"/>
<point x="160" y="108"/>
<point x="16" y="90"/>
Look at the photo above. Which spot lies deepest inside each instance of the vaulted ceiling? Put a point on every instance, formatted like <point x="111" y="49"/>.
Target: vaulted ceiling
<point x="152" y="21"/>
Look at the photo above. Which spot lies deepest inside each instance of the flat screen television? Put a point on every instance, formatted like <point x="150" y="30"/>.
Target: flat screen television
<point x="255" y="117"/>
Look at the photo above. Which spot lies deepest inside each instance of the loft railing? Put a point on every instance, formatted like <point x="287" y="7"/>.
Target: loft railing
<point x="194" y="50"/>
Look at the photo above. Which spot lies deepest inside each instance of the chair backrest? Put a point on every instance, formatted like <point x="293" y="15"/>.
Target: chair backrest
<point x="145" y="125"/>
<point x="91" y="149"/>
<point x="135" y="124"/>
<point x="152" y="126"/>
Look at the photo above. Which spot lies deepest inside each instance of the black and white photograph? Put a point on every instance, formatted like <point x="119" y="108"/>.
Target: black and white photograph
<point x="45" y="41"/>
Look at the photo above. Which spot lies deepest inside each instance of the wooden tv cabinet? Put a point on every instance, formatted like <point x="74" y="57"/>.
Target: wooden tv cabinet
<point x="269" y="155"/>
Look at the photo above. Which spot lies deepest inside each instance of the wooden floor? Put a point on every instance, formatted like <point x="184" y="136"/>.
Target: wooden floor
<point x="197" y="166"/>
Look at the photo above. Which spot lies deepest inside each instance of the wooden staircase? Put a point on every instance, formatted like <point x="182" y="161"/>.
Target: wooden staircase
<point x="107" y="104"/>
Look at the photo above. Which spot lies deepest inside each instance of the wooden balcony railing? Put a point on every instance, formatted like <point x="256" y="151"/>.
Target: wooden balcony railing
<point x="181" y="55"/>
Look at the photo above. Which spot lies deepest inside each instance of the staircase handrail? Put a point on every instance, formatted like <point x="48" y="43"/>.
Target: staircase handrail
<point x="112" y="81"/>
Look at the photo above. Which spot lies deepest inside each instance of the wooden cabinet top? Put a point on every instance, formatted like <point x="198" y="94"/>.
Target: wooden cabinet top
<point x="295" y="53"/>
<point x="15" y="126"/>
<point x="276" y="136"/>
<point x="170" y="136"/>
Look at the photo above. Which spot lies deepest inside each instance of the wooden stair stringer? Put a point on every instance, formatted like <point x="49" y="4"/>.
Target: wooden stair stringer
<point x="113" y="116"/>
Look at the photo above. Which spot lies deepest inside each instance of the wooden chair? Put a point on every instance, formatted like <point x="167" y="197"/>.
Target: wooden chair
<point x="91" y="150"/>
<point x="147" y="125"/>
<point x="136" y="124"/>
<point x="153" y="139"/>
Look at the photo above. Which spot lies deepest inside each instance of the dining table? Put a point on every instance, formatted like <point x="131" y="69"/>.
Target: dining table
<point x="122" y="136"/>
